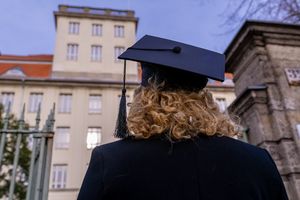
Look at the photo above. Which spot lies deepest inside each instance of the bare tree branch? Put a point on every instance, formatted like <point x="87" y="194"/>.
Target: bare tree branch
<point x="276" y="10"/>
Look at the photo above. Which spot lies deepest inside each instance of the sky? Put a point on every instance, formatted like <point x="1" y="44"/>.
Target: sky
<point x="27" y="26"/>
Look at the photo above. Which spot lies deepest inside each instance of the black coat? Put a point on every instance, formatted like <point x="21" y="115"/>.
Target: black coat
<point x="205" y="168"/>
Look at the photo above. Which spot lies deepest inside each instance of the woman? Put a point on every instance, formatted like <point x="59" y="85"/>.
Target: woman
<point x="177" y="144"/>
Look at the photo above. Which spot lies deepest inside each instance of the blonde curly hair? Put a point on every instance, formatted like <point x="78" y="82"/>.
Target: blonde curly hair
<point x="180" y="114"/>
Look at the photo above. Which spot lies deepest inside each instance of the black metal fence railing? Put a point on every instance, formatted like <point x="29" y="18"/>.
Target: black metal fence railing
<point x="37" y="181"/>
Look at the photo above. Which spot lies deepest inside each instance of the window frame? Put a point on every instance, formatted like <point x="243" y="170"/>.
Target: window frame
<point x="222" y="103"/>
<point x="72" y="51"/>
<point x="298" y="129"/>
<point x="60" y="145"/>
<point x="94" y="56"/>
<point x="10" y="96"/>
<point x="119" y="31"/>
<point x="95" y="110"/>
<point x="34" y="103"/>
<point x="74" y="28"/>
<point x="118" y="50"/>
<point x="97" y="30"/>
<point x="68" y="109"/>
<point x="64" y="173"/>
<point x="90" y="145"/>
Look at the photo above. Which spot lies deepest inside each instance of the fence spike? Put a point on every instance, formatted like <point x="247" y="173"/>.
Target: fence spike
<point x="16" y="154"/>
<point x="52" y="118"/>
<point x="6" y="118"/>
<point x="3" y="133"/>
<point x="53" y="108"/>
<point x="38" y="117"/>
<point x="7" y="110"/>
<point x="46" y="125"/>
<point x="22" y="118"/>
<point x="22" y="115"/>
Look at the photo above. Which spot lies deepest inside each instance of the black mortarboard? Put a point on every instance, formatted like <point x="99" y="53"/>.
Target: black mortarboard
<point x="179" y="65"/>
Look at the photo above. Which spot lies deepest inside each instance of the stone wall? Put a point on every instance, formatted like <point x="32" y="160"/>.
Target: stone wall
<point x="269" y="106"/>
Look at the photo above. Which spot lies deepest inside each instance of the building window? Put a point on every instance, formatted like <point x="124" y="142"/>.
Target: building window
<point x="59" y="176"/>
<point x="228" y="81"/>
<point x="119" y="31"/>
<point x="6" y="98"/>
<point x="95" y="103"/>
<point x="65" y="102"/>
<point x="17" y="71"/>
<point x="72" y="52"/>
<point x="34" y="100"/>
<point x="93" y="137"/>
<point x="74" y="28"/>
<point x="298" y="130"/>
<point x="222" y="104"/>
<point x="118" y="52"/>
<point x="62" y="137"/>
<point x="96" y="53"/>
<point x="96" y="29"/>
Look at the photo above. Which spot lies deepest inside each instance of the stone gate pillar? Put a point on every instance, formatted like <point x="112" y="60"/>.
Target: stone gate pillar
<point x="265" y="60"/>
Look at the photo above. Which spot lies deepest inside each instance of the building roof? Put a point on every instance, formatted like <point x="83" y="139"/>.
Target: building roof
<point x="35" y="66"/>
<point x="95" y="13"/>
<point x="40" y="66"/>
<point x="228" y="81"/>
<point x="39" y="57"/>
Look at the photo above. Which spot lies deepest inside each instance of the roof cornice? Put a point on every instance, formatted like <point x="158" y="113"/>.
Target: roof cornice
<point x="95" y="13"/>
<point x="259" y="33"/>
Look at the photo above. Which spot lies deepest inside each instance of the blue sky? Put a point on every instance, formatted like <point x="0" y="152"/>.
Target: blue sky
<point x="27" y="26"/>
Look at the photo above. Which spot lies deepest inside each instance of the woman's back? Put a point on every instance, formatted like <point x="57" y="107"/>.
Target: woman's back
<point x="201" y="168"/>
<point x="171" y="105"/>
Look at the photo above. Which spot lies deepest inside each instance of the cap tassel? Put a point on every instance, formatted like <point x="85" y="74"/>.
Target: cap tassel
<point x="121" y="130"/>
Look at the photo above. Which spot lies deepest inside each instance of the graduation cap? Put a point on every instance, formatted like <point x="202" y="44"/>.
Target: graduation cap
<point x="178" y="65"/>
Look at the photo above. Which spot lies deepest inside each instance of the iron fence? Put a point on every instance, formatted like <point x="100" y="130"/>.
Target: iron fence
<point x="40" y="157"/>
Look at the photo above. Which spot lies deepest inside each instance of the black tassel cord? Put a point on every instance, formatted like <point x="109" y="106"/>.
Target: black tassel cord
<point x="121" y="130"/>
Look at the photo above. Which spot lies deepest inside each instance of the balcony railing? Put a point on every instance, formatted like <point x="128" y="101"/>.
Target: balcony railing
<point x="96" y="11"/>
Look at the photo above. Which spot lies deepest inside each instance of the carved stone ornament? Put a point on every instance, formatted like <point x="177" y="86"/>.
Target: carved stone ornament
<point x="293" y="75"/>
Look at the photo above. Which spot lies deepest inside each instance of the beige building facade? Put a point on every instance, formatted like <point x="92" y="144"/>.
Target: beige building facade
<point x="84" y="79"/>
<point x="88" y="42"/>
